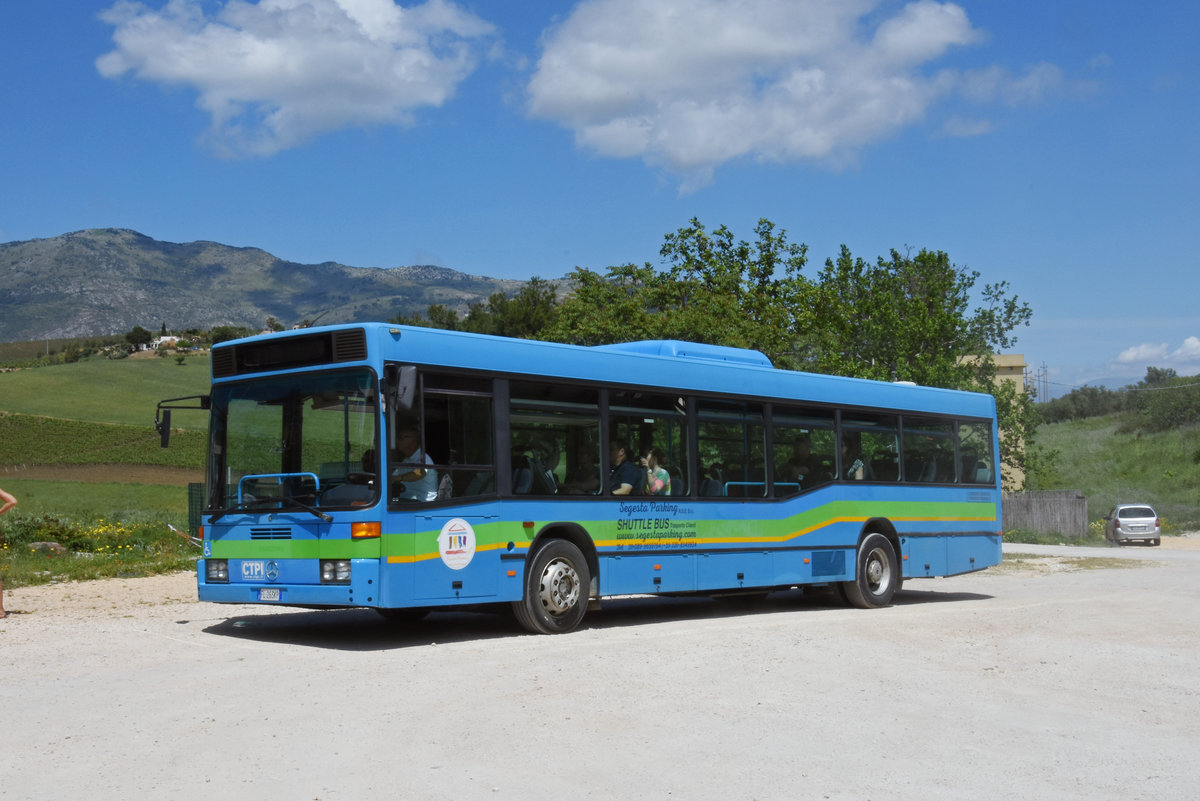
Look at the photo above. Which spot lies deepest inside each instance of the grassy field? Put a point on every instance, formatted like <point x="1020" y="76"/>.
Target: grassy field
<point x="1110" y="466"/>
<point x="79" y="451"/>
<point x="101" y="390"/>
<point x="30" y="440"/>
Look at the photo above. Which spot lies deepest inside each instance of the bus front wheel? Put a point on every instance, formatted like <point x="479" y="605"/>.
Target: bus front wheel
<point x="877" y="575"/>
<point x="556" y="589"/>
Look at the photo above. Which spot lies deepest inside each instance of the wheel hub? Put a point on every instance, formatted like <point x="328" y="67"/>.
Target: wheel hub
<point x="559" y="588"/>
<point x="877" y="572"/>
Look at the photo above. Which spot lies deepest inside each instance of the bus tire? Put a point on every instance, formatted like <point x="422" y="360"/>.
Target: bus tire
<point x="556" y="589"/>
<point x="877" y="574"/>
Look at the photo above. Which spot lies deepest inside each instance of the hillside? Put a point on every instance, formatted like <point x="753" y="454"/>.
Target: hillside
<point x="122" y="391"/>
<point x="106" y="281"/>
<point x="1110" y="465"/>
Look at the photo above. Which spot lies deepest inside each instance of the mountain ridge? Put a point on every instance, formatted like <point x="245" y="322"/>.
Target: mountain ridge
<point x="103" y="281"/>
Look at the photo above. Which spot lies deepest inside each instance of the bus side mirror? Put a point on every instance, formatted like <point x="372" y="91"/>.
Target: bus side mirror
<point x="403" y="388"/>
<point x="162" y="414"/>
<point x="164" y="426"/>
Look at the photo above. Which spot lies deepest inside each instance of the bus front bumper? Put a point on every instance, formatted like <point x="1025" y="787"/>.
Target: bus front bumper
<point x="289" y="582"/>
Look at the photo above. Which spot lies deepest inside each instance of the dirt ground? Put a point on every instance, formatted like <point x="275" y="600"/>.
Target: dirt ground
<point x="1055" y="676"/>
<point x="122" y="596"/>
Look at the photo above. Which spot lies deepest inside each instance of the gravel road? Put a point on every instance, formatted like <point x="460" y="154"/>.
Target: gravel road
<point x="1050" y="677"/>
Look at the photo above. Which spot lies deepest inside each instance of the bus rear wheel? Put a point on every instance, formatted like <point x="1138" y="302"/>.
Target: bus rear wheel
<point x="556" y="590"/>
<point x="877" y="576"/>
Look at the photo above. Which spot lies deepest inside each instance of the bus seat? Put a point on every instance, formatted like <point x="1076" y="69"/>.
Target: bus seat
<point x="483" y="483"/>
<point x="522" y="481"/>
<point x="677" y="484"/>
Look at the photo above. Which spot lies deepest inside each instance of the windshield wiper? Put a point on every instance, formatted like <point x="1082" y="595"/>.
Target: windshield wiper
<point x="326" y="517"/>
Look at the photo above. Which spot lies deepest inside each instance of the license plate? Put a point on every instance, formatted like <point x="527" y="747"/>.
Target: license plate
<point x="1137" y="528"/>
<point x="269" y="594"/>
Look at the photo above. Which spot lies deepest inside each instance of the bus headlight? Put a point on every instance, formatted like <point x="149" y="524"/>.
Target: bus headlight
<point x="216" y="571"/>
<point x="335" y="571"/>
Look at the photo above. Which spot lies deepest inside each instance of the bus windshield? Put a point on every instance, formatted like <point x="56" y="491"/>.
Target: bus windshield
<point x="303" y="442"/>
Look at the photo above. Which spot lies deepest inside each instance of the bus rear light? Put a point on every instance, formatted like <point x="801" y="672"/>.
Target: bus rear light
<point x="335" y="571"/>
<point x="216" y="571"/>
<point x="364" y="531"/>
<point x="200" y="532"/>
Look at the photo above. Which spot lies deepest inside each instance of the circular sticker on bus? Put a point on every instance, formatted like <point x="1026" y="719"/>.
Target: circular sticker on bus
<point x="456" y="543"/>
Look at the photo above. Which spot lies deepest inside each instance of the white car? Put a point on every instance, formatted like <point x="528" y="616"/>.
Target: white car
<point x="1132" y="521"/>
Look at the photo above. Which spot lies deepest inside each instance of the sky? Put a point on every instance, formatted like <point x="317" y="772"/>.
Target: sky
<point x="1049" y="145"/>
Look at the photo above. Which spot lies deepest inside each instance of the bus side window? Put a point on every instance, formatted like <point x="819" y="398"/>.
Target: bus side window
<point x="458" y="432"/>
<point x="870" y="448"/>
<point x="555" y="439"/>
<point x="643" y="421"/>
<point x="732" y="437"/>
<point x="975" y="453"/>
<point x="804" y="452"/>
<point x="928" y="450"/>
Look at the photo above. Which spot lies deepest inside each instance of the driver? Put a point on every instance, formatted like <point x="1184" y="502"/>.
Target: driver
<point x="418" y="482"/>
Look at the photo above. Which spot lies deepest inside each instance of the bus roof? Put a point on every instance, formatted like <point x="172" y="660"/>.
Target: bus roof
<point x="669" y="365"/>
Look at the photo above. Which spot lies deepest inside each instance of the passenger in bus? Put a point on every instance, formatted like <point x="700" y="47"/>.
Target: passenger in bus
<point x="714" y="485"/>
<point x="799" y="469"/>
<point x="853" y="466"/>
<point x="625" y="478"/>
<point x="585" y="478"/>
<point x="411" y="478"/>
<point x="657" y="479"/>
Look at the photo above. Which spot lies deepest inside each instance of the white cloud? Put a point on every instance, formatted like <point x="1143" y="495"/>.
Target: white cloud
<point x="275" y="73"/>
<point x="690" y="84"/>
<point x="1185" y="359"/>
<point x="1143" y="354"/>
<point x="1189" y="351"/>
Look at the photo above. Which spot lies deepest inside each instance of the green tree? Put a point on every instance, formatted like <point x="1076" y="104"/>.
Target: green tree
<point x="909" y="319"/>
<point x="224" y="333"/>
<point x="714" y="289"/>
<point x="138" y="337"/>
<point x="1017" y="418"/>
<point x="1164" y="401"/>
<point x="525" y="315"/>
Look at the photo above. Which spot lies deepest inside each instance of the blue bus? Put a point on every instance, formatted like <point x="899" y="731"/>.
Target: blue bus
<point x="404" y="469"/>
